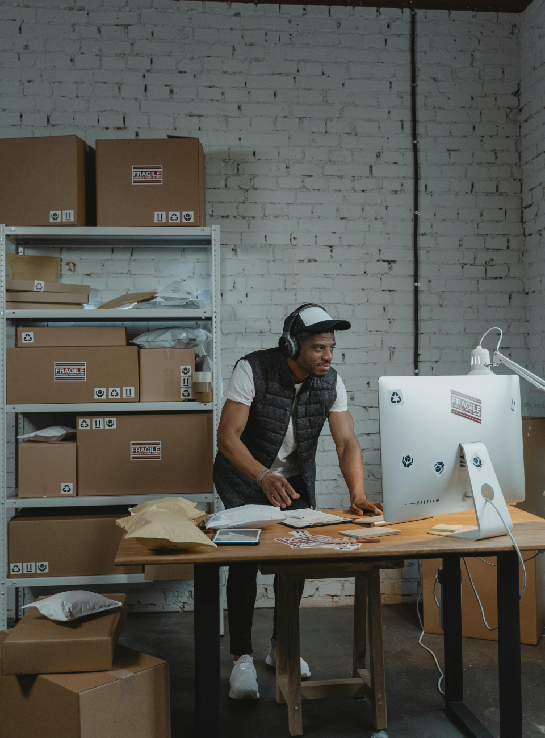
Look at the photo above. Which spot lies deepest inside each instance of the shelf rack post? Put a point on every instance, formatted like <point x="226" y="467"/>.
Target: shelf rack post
<point x="3" y="491"/>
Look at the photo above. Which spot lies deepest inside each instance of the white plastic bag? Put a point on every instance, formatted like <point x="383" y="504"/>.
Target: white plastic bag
<point x="50" y="435"/>
<point x="176" y="337"/>
<point x="247" y="516"/>
<point x="66" y="606"/>
<point x="180" y="290"/>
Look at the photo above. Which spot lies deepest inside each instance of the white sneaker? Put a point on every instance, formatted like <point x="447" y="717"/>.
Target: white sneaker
<point x="243" y="680"/>
<point x="271" y="661"/>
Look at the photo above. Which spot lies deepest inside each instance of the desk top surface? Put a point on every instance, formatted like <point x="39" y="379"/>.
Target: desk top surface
<point x="413" y="542"/>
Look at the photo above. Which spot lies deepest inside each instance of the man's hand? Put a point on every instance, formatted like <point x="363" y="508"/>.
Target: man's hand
<point x="360" y="505"/>
<point x="278" y="490"/>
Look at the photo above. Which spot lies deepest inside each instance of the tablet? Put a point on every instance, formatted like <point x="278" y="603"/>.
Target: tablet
<point x="237" y="537"/>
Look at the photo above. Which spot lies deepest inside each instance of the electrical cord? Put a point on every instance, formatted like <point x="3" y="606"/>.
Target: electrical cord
<point x="477" y="596"/>
<point x="514" y="545"/>
<point x="422" y="630"/>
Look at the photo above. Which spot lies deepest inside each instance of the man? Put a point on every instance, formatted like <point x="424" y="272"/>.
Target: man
<point x="277" y="403"/>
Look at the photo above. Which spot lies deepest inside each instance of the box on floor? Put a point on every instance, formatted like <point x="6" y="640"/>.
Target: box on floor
<point x="56" y="542"/>
<point x="72" y="374"/>
<point x="150" y="182"/>
<point x="36" y="337"/>
<point x="38" y="645"/>
<point x="166" y="374"/>
<point x="51" y="181"/>
<point x="145" y="454"/>
<point x="132" y="700"/>
<point x="47" y="469"/>
<point x="484" y="579"/>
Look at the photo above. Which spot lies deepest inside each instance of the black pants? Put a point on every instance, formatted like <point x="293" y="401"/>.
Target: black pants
<point x="242" y="581"/>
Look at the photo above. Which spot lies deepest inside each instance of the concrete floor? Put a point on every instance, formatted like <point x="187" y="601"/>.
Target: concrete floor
<point x="415" y="708"/>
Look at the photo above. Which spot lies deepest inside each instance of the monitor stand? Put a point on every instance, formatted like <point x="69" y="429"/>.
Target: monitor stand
<point x="484" y="486"/>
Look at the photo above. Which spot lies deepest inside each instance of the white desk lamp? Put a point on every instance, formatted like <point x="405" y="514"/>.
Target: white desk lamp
<point x="480" y="362"/>
<point x="493" y="518"/>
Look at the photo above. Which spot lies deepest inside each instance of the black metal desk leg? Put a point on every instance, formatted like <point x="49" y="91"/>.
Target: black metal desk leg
<point x="451" y="594"/>
<point x="509" y="646"/>
<point x="207" y="650"/>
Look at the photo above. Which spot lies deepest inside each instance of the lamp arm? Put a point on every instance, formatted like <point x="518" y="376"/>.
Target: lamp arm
<point x="524" y="373"/>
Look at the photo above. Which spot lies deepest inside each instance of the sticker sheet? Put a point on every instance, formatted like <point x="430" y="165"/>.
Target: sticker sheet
<point x="303" y="539"/>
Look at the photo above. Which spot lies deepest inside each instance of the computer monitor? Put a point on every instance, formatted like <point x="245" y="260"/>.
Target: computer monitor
<point x="423" y="421"/>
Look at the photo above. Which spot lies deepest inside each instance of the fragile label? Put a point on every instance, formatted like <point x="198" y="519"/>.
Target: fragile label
<point x="465" y="406"/>
<point x="55" y="216"/>
<point x="69" y="371"/>
<point x="42" y="567"/>
<point x="100" y="393"/>
<point x="185" y="371"/>
<point x="110" y="423"/>
<point x="150" y="450"/>
<point x="147" y="175"/>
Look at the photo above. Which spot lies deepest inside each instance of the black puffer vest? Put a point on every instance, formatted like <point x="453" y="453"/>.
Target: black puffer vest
<point x="268" y="422"/>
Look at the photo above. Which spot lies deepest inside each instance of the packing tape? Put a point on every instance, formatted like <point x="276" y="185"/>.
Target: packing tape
<point x="202" y="376"/>
<point x="126" y="684"/>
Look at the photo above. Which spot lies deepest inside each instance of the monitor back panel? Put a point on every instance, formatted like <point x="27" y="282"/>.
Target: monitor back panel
<point x="423" y="420"/>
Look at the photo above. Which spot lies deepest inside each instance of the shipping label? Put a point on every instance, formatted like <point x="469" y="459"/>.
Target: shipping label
<point x="147" y="175"/>
<point x="142" y="450"/>
<point x="69" y="371"/>
<point x="465" y="406"/>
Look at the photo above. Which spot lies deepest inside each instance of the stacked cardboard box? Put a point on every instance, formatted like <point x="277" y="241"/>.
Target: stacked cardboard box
<point x="51" y="181"/>
<point x="23" y="294"/>
<point x="57" y="542"/>
<point x="72" y="365"/>
<point x="47" y="469"/>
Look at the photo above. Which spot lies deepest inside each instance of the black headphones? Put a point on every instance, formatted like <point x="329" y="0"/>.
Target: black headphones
<point x="288" y="345"/>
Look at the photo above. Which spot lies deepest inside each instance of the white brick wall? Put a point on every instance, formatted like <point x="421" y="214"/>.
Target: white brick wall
<point x="532" y="106"/>
<point x="304" y="114"/>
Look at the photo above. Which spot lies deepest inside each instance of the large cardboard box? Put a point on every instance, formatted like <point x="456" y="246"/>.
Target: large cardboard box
<point x="38" y="645"/>
<point x="47" y="469"/>
<point x="56" y="542"/>
<point x="41" y="306"/>
<point x="34" y="337"/>
<point x="169" y="572"/>
<point x="484" y="579"/>
<point x="28" y="285"/>
<point x="51" y="181"/>
<point x="166" y="375"/>
<point x="145" y="454"/>
<point x="72" y="374"/>
<point x="129" y="701"/>
<point x="43" y="298"/>
<point x="150" y="182"/>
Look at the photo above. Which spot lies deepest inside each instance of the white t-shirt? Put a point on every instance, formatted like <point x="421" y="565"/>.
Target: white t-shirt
<point x="241" y="389"/>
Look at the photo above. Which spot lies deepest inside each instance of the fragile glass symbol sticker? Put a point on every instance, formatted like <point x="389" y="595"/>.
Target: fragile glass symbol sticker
<point x="407" y="462"/>
<point x="396" y="397"/>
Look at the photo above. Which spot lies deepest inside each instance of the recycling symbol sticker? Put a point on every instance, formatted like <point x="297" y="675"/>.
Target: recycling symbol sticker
<point x="67" y="488"/>
<point x="28" y="337"/>
<point x="396" y="397"/>
<point x="407" y="461"/>
<point x="84" y="424"/>
<point x="186" y="393"/>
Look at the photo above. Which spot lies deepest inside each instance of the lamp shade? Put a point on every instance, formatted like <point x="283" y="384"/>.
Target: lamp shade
<point x="480" y="360"/>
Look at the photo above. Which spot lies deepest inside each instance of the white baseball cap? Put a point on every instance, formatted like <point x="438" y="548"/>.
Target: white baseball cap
<point x="314" y="318"/>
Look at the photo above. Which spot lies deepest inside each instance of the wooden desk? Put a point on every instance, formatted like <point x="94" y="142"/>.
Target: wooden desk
<point x="414" y="542"/>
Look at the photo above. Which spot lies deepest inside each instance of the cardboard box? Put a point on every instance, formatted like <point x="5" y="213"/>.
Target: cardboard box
<point x="43" y="298"/>
<point x="28" y="285"/>
<point x="38" y="645"/>
<point x="145" y="454"/>
<point x="72" y="374"/>
<point x="56" y="542"/>
<point x="166" y="375"/>
<point x="484" y="579"/>
<point x="51" y="181"/>
<point x="150" y="182"/>
<point x="129" y="701"/>
<point x="47" y="469"/>
<point x="34" y="337"/>
<point x="41" y="306"/>
<point x="533" y="440"/>
<point x="28" y="268"/>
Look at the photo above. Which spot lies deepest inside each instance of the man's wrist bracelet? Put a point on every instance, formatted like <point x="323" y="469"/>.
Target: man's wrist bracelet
<point x="261" y="475"/>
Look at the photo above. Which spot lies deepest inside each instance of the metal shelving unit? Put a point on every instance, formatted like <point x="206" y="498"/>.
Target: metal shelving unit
<point x="75" y="237"/>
